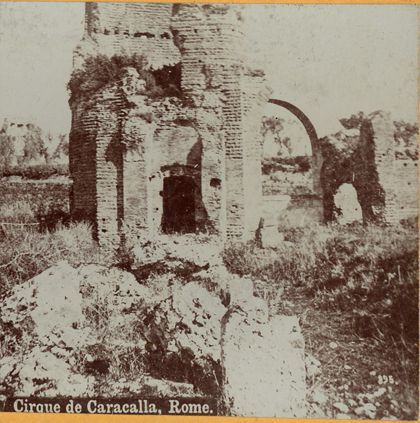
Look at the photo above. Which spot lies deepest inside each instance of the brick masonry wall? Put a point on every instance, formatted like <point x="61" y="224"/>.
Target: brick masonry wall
<point x="82" y="160"/>
<point x="386" y="184"/>
<point x="130" y="28"/>
<point x="209" y="38"/>
<point x="96" y="162"/>
<point x="374" y="172"/>
<point x="383" y="129"/>
<point x="125" y="144"/>
<point x="109" y="168"/>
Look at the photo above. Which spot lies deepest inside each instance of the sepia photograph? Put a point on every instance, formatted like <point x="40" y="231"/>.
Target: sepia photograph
<point x="209" y="209"/>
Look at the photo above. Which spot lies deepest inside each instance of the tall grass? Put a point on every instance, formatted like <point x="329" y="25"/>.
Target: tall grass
<point x="26" y="252"/>
<point x="19" y="211"/>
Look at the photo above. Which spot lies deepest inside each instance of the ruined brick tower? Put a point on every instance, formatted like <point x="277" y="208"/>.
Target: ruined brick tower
<point x="178" y="154"/>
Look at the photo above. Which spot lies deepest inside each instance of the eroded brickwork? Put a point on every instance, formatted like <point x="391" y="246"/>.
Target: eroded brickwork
<point x="133" y="156"/>
<point x="386" y="184"/>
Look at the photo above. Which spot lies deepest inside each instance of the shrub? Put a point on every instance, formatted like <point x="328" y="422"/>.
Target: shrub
<point x="51" y="215"/>
<point x="372" y="274"/>
<point x="298" y="164"/>
<point x="42" y="205"/>
<point x="19" y="211"/>
<point x="36" y="172"/>
<point x="6" y="150"/>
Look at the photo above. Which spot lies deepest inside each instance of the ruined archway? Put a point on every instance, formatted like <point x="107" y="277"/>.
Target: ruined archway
<point x="316" y="161"/>
<point x="292" y="192"/>
<point x="307" y="124"/>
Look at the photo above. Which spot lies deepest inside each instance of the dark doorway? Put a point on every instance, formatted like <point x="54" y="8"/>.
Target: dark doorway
<point x="178" y="205"/>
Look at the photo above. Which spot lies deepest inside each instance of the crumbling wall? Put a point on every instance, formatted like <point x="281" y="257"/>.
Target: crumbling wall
<point x="406" y="194"/>
<point x="129" y="28"/>
<point x="135" y="142"/>
<point x="339" y="152"/>
<point x="172" y="145"/>
<point x="374" y="172"/>
<point x="386" y="185"/>
<point x="82" y="158"/>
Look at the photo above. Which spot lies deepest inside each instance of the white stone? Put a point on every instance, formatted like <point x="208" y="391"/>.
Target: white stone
<point x="271" y="237"/>
<point x="319" y="396"/>
<point x="379" y="392"/>
<point x="313" y="366"/>
<point x="340" y="406"/>
<point x="264" y="367"/>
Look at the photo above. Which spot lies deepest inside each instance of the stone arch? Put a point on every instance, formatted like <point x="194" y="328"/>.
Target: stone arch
<point x="306" y="122"/>
<point x="313" y="138"/>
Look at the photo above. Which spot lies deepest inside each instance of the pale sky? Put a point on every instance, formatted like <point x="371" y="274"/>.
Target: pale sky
<point x="329" y="60"/>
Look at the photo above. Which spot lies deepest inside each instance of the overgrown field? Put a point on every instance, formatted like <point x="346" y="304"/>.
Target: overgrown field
<point x="355" y="289"/>
<point x="34" y="201"/>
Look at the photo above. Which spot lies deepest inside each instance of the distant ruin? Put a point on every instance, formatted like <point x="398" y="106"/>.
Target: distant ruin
<point x="175" y="147"/>
<point x="382" y="172"/>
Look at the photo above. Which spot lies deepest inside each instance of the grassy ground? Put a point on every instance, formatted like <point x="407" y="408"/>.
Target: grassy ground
<point x="25" y="252"/>
<point x="355" y="290"/>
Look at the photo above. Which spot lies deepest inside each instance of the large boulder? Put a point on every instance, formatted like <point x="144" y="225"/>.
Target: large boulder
<point x="183" y="337"/>
<point x="225" y="344"/>
<point x="42" y="326"/>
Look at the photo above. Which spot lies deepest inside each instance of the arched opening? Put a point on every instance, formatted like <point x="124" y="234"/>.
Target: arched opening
<point x="347" y="208"/>
<point x="309" y="127"/>
<point x="291" y="162"/>
<point x="287" y="153"/>
<point x="179" y="197"/>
